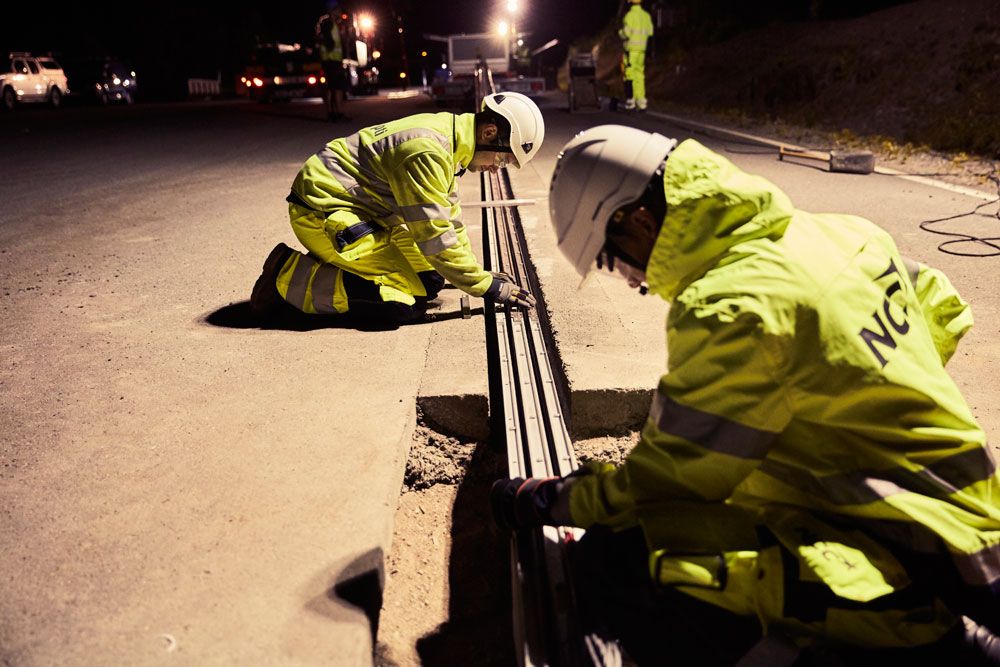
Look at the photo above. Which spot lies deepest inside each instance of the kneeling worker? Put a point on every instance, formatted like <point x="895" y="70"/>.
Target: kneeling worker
<point x="378" y="212"/>
<point x="809" y="478"/>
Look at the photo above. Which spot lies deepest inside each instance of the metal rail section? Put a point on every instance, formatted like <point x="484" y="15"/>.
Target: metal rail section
<point x="526" y="411"/>
<point x="527" y="415"/>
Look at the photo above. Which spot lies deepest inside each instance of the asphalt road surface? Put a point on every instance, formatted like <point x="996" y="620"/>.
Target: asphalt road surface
<point x="176" y="482"/>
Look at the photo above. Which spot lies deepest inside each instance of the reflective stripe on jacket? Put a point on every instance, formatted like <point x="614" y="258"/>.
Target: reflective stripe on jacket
<point x="806" y="370"/>
<point x="401" y="172"/>
<point x="637" y="27"/>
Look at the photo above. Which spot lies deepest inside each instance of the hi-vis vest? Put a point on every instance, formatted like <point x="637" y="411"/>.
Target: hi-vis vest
<point x="335" y="50"/>
<point x="347" y="199"/>
<point x="806" y="398"/>
<point x="637" y="27"/>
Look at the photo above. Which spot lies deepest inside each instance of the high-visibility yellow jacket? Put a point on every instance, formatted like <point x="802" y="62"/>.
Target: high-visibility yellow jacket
<point x="806" y="391"/>
<point x="637" y="27"/>
<point x="401" y="172"/>
<point x="335" y="49"/>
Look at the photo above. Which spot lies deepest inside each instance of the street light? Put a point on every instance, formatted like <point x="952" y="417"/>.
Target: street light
<point x="503" y="28"/>
<point x="366" y="22"/>
<point x="511" y="6"/>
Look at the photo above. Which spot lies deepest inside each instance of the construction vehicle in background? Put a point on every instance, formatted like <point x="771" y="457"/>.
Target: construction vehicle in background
<point x="280" y="71"/>
<point x="466" y="52"/>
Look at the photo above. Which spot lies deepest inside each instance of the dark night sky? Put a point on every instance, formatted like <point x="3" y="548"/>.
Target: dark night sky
<point x="169" y="41"/>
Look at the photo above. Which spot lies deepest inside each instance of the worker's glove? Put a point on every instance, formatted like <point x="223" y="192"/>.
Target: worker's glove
<point x="523" y="503"/>
<point x="505" y="291"/>
<point x="526" y="503"/>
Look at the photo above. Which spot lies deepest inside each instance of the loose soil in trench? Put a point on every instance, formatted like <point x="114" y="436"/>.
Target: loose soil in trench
<point x="447" y="592"/>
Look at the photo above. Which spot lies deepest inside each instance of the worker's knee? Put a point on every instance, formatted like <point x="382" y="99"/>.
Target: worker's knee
<point x="365" y="304"/>
<point x="433" y="283"/>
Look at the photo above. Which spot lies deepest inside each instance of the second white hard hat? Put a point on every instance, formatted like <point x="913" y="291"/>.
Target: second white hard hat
<point x="527" y="127"/>
<point x="599" y="171"/>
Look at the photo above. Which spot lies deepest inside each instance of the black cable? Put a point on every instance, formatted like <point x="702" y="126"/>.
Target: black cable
<point x="992" y="242"/>
<point x="959" y="237"/>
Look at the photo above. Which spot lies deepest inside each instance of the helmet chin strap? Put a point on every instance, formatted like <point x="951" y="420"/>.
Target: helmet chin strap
<point x="494" y="148"/>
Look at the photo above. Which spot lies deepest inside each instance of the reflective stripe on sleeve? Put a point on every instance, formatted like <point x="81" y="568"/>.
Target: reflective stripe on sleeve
<point x="329" y="160"/>
<point x="439" y="243"/>
<point x="419" y="212"/>
<point x="712" y="432"/>
<point x="944" y="477"/>
<point x="981" y="568"/>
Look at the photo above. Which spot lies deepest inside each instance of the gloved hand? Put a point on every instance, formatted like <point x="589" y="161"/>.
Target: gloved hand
<point x="523" y="503"/>
<point x="504" y="290"/>
<point x="537" y="501"/>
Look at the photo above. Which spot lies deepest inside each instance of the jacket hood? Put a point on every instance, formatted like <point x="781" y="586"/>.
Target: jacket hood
<point x="712" y="207"/>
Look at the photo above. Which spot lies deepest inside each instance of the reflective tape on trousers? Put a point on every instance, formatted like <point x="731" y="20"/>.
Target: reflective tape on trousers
<point x="439" y="243"/>
<point x="299" y="283"/>
<point x="323" y="287"/>
<point x="712" y="432"/>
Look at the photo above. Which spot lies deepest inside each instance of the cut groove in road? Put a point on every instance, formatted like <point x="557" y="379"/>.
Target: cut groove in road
<point x="447" y="593"/>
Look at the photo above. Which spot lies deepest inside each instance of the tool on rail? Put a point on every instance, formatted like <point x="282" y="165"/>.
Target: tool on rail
<point x="528" y="419"/>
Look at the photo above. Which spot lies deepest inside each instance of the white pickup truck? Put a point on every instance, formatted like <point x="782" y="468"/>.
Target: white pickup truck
<point x="465" y="52"/>
<point x="25" y="78"/>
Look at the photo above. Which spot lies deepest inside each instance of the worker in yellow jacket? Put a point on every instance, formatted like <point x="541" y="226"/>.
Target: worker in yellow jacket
<point x="808" y="473"/>
<point x="637" y="28"/>
<point x="379" y="214"/>
<point x="330" y="44"/>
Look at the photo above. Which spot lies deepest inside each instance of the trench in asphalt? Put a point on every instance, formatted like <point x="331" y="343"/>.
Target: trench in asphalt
<point x="447" y="595"/>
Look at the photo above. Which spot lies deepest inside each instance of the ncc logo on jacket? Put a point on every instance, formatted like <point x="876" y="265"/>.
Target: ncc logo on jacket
<point x="880" y="336"/>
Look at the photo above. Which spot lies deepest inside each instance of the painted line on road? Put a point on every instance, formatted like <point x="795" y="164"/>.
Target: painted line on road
<point x="885" y="171"/>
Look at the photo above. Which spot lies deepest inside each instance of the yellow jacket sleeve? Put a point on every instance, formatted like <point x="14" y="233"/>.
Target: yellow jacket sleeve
<point x="947" y="315"/>
<point x="424" y="187"/>
<point x="713" y="420"/>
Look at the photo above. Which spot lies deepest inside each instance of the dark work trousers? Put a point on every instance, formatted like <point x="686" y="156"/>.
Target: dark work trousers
<point x="655" y="625"/>
<point x="365" y="302"/>
<point x="660" y="626"/>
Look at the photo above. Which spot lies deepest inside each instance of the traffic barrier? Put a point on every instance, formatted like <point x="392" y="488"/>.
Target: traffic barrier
<point x="205" y="87"/>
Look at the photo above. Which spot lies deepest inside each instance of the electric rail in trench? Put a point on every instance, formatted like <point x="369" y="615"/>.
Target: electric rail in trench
<point x="527" y="416"/>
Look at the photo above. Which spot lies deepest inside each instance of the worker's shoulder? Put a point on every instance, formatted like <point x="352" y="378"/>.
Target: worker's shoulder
<point x="755" y="282"/>
<point x="423" y="125"/>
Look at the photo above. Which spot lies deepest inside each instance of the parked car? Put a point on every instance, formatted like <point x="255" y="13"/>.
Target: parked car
<point x="103" y="80"/>
<point x="27" y="78"/>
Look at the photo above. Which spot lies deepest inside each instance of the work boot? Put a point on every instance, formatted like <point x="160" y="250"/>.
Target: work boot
<point x="265" y="300"/>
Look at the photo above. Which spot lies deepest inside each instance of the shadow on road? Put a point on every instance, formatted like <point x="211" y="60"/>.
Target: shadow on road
<point x="479" y="627"/>
<point x="239" y="316"/>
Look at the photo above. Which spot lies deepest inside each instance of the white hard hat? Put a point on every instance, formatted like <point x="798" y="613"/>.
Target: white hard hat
<point x="527" y="127"/>
<point x="599" y="171"/>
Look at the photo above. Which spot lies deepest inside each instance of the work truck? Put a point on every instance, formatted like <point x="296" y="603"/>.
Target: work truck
<point x="465" y="53"/>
